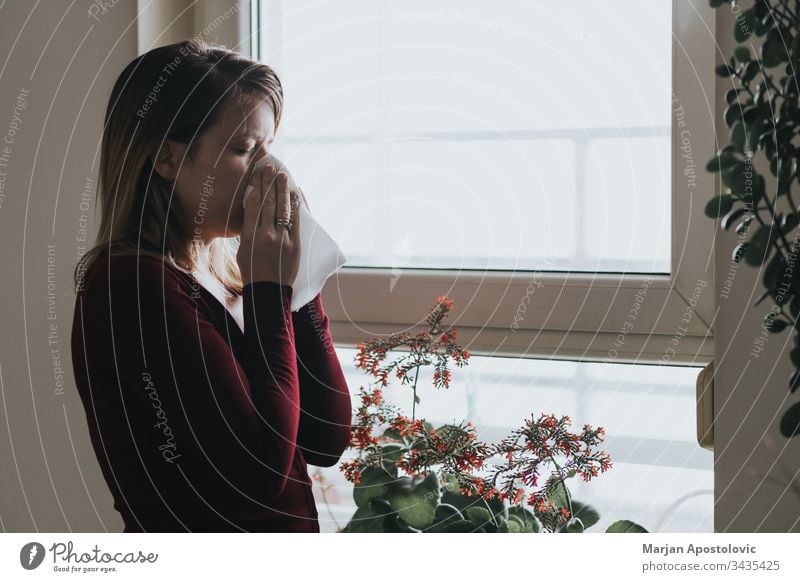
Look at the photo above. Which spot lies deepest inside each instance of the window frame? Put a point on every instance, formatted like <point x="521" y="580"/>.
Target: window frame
<point x="602" y="317"/>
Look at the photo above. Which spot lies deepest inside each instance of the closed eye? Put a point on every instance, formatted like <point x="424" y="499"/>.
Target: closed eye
<point x="250" y="150"/>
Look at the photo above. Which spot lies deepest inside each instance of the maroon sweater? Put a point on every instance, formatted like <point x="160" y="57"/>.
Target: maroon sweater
<point x="196" y="425"/>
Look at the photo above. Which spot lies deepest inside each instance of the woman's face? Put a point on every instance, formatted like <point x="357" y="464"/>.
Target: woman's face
<point x="211" y="182"/>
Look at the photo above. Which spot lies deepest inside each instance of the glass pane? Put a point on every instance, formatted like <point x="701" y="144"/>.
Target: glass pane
<point x="494" y="142"/>
<point x="626" y="227"/>
<point x="660" y="478"/>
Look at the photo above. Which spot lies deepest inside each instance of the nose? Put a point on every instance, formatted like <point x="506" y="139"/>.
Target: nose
<point x="258" y="154"/>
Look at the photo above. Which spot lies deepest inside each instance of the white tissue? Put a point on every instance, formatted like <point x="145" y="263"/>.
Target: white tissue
<point x="320" y="256"/>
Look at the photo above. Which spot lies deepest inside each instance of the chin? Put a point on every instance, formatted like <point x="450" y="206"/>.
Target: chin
<point x="234" y="226"/>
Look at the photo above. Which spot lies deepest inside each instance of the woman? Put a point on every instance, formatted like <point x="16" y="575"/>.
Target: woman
<point x="205" y="394"/>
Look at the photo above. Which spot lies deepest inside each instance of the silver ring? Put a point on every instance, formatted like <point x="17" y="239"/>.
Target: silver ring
<point x="284" y="222"/>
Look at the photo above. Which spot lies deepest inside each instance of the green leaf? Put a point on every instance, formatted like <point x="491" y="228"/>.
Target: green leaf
<point x="721" y="161"/>
<point x="743" y="27"/>
<point x="790" y="422"/>
<point x="392" y="452"/>
<point x="733" y="113"/>
<point x="732" y="216"/>
<point x="625" y="526"/>
<point x="794" y="309"/>
<point x="742" y="54"/>
<point x="774" y="271"/>
<point x="365" y="520"/>
<point x="480" y="516"/>
<point x="374" y="483"/>
<point x="790" y="222"/>
<point x="750" y="71"/>
<point x="719" y="206"/>
<point x="777" y="326"/>
<point x="743" y="181"/>
<point x="794" y="381"/>
<point x="525" y="519"/>
<point x="395" y="524"/>
<point x="738" y="252"/>
<point x="759" y="187"/>
<point x="759" y="246"/>
<point x="418" y="506"/>
<point x="393" y="434"/>
<point x="743" y="227"/>
<point x="773" y="51"/>
<point x="587" y="514"/>
<point x="732" y="95"/>
<point x="444" y="516"/>
<point x="558" y="496"/>
<point x="574" y="525"/>
<point x="723" y="71"/>
<point x="452" y="494"/>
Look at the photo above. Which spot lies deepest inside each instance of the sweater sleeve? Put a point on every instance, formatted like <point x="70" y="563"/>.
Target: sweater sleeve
<point x="326" y="415"/>
<point x="240" y="418"/>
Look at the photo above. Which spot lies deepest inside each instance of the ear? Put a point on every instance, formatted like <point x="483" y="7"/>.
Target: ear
<point x="167" y="160"/>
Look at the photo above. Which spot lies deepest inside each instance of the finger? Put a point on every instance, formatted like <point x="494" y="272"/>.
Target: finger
<point x="259" y="185"/>
<point x="284" y="200"/>
<point x="268" y="208"/>
<point x="294" y="234"/>
<point x="295" y="203"/>
<point x="252" y="206"/>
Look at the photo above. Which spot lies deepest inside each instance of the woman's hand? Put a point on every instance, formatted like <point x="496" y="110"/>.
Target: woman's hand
<point x="281" y="167"/>
<point x="269" y="251"/>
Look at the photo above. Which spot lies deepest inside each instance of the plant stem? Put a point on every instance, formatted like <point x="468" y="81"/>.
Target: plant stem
<point x="774" y="242"/>
<point x="788" y="20"/>
<point x="322" y="490"/>
<point x="414" y="403"/>
<point x="561" y="482"/>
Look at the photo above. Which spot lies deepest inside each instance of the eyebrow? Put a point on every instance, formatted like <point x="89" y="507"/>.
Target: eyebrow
<point x="253" y="135"/>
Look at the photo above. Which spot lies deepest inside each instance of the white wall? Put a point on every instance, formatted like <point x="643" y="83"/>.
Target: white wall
<point x="67" y="61"/>
<point x="63" y="61"/>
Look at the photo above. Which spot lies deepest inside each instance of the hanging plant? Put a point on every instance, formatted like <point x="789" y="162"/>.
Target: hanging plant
<point x="763" y="116"/>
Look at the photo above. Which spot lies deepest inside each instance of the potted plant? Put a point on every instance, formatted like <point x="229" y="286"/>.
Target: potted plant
<point x="411" y="477"/>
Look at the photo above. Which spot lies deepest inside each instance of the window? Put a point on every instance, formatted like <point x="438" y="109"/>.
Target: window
<point x="538" y="164"/>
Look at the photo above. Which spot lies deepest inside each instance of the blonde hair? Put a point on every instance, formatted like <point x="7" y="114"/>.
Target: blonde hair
<point x="172" y="92"/>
